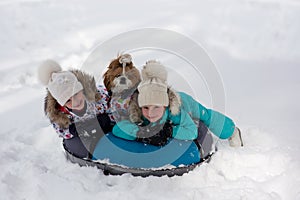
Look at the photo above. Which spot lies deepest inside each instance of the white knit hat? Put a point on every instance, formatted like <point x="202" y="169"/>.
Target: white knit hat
<point x="61" y="84"/>
<point x="153" y="88"/>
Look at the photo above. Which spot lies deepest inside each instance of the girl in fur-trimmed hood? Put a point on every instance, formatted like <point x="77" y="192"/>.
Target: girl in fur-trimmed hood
<point x="72" y="98"/>
<point x="176" y="114"/>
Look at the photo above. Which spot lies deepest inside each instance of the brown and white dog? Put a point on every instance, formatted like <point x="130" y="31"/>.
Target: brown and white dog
<point x="121" y="80"/>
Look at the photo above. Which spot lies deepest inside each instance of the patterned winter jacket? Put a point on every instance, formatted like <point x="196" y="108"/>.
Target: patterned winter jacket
<point x="61" y="117"/>
<point x="184" y="112"/>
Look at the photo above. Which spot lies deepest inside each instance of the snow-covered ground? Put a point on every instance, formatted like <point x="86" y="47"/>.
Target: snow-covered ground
<point x="255" y="46"/>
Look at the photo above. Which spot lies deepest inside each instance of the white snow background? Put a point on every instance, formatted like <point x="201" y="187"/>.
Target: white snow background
<point x="255" y="45"/>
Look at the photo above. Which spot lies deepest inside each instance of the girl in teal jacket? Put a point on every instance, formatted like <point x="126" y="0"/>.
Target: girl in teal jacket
<point x="164" y="113"/>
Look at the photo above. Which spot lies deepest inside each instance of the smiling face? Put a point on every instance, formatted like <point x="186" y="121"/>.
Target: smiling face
<point x="76" y="102"/>
<point x="153" y="113"/>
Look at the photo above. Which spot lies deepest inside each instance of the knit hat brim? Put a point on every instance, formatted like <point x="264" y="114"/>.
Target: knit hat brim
<point x="63" y="97"/>
<point x="63" y="86"/>
<point x="157" y="98"/>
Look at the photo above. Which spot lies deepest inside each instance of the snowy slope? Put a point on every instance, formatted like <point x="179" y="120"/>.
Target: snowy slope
<point x="255" y="46"/>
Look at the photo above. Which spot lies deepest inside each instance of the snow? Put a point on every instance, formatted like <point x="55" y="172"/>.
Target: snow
<point x="255" y="46"/>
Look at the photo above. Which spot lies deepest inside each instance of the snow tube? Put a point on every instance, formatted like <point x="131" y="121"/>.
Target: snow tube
<point x="117" y="156"/>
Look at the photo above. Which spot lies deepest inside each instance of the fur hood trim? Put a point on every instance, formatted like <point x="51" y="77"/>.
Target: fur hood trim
<point x="54" y="111"/>
<point x="135" y="113"/>
<point x="174" y="101"/>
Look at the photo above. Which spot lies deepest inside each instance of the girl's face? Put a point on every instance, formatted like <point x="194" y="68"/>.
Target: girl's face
<point x="76" y="102"/>
<point x="153" y="113"/>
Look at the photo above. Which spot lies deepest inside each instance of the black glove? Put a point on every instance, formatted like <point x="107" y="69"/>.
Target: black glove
<point x="91" y="130"/>
<point x="157" y="135"/>
<point x="105" y="123"/>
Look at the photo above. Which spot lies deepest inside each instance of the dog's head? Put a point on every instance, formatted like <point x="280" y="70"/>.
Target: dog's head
<point x="121" y="74"/>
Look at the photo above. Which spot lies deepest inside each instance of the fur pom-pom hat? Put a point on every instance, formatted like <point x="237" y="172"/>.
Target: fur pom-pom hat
<point x="153" y="90"/>
<point x="154" y="69"/>
<point x="61" y="84"/>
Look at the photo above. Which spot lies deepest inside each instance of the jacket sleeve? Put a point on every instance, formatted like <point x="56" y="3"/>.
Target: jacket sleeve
<point x="219" y="124"/>
<point x="184" y="128"/>
<point x="62" y="132"/>
<point x="125" y="129"/>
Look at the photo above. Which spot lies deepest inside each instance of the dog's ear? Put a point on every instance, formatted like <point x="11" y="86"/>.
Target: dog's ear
<point x="106" y="81"/>
<point x="115" y="64"/>
<point x="107" y="76"/>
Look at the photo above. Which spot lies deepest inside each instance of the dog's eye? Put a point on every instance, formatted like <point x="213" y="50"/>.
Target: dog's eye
<point x="118" y="75"/>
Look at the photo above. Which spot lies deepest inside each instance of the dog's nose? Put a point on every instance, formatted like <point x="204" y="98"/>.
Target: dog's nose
<point x="123" y="80"/>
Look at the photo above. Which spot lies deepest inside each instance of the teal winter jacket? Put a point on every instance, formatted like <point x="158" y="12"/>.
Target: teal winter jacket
<point x="183" y="112"/>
